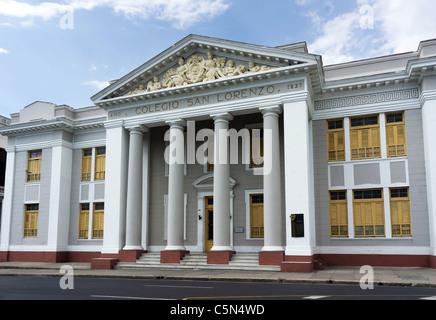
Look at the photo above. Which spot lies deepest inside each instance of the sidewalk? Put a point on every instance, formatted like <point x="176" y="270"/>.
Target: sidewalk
<point x="388" y="276"/>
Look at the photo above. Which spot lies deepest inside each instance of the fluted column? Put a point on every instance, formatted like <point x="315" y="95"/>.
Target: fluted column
<point x="134" y="190"/>
<point x="221" y="192"/>
<point x="175" y="248"/>
<point x="273" y="251"/>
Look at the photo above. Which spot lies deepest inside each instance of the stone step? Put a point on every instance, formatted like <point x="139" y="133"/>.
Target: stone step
<point x="240" y="261"/>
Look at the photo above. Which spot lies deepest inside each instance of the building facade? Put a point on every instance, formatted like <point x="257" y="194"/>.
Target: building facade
<point x="220" y="147"/>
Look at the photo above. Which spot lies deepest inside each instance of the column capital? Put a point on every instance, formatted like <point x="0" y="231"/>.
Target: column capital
<point x="225" y="116"/>
<point x="176" y="123"/>
<point x="271" y="111"/>
<point x="137" y="129"/>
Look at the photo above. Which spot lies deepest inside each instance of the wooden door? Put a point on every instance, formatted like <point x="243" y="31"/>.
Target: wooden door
<point x="208" y="223"/>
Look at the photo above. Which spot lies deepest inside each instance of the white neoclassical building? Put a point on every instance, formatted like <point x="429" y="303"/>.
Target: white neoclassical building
<point x="223" y="150"/>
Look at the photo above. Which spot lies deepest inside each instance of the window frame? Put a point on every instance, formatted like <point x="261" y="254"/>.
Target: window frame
<point x="399" y="201"/>
<point x="363" y="202"/>
<point x="336" y="132"/>
<point x="99" y="174"/>
<point x="86" y="165"/>
<point x="260" y="224"/>
<point x="373" y="145"/>
<point x="84" y="221"/>
<point x="30" y="223"/>
<point x="97" y="221"/>
<point x="339" y="203"/>
<point x="395" y="126"/>
<point x="32" y="163"/>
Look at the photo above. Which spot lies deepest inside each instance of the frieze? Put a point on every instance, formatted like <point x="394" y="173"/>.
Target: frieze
<point x="211" y="99"/>
<point x="198" y="69"/>
<point x="405" y="94"/>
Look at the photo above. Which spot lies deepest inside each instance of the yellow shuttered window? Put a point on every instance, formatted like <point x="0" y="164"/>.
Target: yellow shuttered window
<point x="256" y="148"/>
<point x="100" y="163"/>
<point x="338" y="214"/>
<point x="34" y="166"/>
<point x="396" y="135"/>
<point x="86" y="164"/>
<point x="31" y="220"/>
<point x="84" y="221"/>
<point x="400" y="212"/>
<point x="256" y="216"/>
<point x="365" y="138"/>
<point x="336" y="140"/>
<point x="98" y="221"/>
<point x="368" y="212"/>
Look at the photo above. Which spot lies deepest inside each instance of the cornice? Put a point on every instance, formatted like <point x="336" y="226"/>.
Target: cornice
<point x="427" y="95"/>
<point x="45" y="125"/>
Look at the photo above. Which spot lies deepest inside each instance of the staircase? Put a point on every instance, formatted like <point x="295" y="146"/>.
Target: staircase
<point x="198" y="261"/>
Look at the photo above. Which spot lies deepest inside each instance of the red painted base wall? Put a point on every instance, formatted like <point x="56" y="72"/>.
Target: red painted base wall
<point x="423" y="261"/>
<point x="376" y="260"/>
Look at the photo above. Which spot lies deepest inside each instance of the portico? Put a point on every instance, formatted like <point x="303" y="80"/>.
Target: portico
<point x="222" y="102"/>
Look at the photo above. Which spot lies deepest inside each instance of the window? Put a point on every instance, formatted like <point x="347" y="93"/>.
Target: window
<point x="338" y="214"/>
<point x="86" y="164"/>
<point x="365" y="138"/>
<point x="256" y="216"/>
<point x="368" y="207"/>
<point x="396" y="135"/>
<point x="256" y="148"/>
<point x="336" y="140"/>
<point x="100" y="163"/>
<point x="31" y="220"/>
<point x="84" y="221"/>
<point x="97" y="221"/>
<point x="400" y="212"/>
<point x="34" y="166"/>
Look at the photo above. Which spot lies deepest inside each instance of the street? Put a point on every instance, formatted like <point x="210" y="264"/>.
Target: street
<point x="51" y="288"/>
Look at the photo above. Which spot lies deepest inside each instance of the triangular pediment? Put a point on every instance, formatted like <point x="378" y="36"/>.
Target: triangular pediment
<point x="198" y="60"/>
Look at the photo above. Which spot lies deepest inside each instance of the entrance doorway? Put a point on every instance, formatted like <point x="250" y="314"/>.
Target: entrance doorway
<point x="208" y="223"/>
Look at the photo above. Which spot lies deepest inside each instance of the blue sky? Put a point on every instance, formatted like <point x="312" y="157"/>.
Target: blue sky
<point x="66" y="51"/>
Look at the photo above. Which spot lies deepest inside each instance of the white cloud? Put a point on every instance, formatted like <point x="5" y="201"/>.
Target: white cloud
<point x="4" y="51"/>
<point x="99" y="85"/>
<point x="398" y="26"/>
<point x="181" y="13"/>
<point x="45" y="10"/>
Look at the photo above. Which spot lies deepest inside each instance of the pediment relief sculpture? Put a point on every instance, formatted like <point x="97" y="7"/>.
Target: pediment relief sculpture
<point x="198" y="69"/>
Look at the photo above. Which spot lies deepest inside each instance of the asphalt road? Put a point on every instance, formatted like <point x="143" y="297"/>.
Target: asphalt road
<point x="61" y="288"/>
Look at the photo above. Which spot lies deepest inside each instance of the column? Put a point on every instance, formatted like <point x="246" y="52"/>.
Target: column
<point x="134" y="193"/>
<point x="117" y="151"/>
<point x="60" y="190"/>
<point x="221" y="251"/>
<point x="6" y="217"/>
<point x="428" y="101"/>
<point x="175" y="248"/>
<point x="273" y="252"/>
<point x="298" y="185"/>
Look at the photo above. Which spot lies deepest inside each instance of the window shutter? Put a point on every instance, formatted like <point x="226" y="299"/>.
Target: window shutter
<point x="256" y="216"/>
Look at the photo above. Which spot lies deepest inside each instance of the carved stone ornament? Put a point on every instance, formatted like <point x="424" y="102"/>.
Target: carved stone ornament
<point x="198" y="69"/>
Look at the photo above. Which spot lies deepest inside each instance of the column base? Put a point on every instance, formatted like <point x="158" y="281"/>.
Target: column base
<point x="271" y="258"/>
<point x="172" y="256"/>
<point x="103" y="263"/>
<point x="130" y="255"/>
<point x="219" y="257"/>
